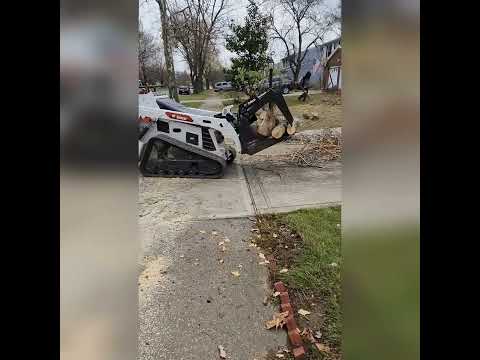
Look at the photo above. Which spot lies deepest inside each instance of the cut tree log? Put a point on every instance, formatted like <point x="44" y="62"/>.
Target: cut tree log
<point x="278" y="131"/>
<point x="291" y="129"/>
<point x="266" y="121"/>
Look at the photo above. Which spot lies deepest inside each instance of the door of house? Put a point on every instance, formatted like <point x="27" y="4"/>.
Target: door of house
<point x="334" y="77"/>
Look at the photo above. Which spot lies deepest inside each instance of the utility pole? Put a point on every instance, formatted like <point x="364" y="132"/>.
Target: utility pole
<point x="172" y="86"/>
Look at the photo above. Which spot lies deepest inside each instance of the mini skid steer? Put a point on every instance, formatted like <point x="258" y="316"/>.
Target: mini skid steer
<point x="178" y="141"/>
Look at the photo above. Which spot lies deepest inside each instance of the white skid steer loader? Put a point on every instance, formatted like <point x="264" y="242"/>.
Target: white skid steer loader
<point x="177" y="141"/>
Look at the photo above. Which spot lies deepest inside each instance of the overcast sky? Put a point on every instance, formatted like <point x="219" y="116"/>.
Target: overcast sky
<point x="150" y="17"/>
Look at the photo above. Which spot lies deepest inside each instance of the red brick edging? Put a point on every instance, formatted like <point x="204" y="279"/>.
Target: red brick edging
<point x="293" y="331"/>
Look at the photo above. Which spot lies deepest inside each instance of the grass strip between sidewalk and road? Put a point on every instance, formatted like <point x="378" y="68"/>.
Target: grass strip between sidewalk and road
<point x="308" y="244"/>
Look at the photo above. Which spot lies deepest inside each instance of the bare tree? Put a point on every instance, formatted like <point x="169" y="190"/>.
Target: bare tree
<point x="147" y="50"/>
<point x="197" y="24"/>
<point x="166" y="31"/>
<point x="212" y="66"/>
<point x="299" y="25"/>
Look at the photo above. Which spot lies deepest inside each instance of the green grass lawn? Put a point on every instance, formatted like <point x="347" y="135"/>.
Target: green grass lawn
<point x="307" y="244"/>
<point x="193" y="104"/>
<point x="201" y="96"/>
<point x="316" y="270"/>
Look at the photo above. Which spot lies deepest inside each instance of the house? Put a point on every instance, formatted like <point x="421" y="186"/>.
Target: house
<point x="332" y="74"/>
<point x="315" y="62"/>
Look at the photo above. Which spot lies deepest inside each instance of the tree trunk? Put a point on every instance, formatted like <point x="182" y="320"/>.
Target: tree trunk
<point x="198" y="85"/>
<point x="144" y="75"/>
<point x="172" y="86"/>
<point x="207" y="83"/>
<point x="295" y="75"/>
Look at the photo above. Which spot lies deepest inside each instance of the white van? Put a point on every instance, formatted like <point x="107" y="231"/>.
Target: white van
<point x="223" y="86"/>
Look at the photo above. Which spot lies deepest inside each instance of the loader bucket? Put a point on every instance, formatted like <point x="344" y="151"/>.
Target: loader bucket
<point x="251" y="141"/>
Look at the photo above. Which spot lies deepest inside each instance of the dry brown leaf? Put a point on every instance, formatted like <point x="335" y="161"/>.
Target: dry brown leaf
<point x="214" y="233"/>
<point x="304" y="312"/>
<point x="235" y="273"/>
<point x="278" y="321"/>
<point x="224" y="248"/>
<point x="202" y="231"/>
<point x="274" y="235"/>
<point x="261" y="255"/>
<point x="221" y="351"/>
<point x="283" y="271"/>
<point x="276" y="293"/>
<point x="308" y="333"/>
<point x="221" y="243"/>
<point x="221" y="261"/>
<point x="264" y="262"/>
<point x="227" y="240"/>
<point x="322" y="347"/>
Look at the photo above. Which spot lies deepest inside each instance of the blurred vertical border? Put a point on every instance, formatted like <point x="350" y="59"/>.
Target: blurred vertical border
<point x="381" y="196"/>
<point x="98" y="179"/>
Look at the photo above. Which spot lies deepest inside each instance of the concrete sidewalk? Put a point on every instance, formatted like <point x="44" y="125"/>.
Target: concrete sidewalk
<point x="245" y="190"/>
<point x="189" y="300"/>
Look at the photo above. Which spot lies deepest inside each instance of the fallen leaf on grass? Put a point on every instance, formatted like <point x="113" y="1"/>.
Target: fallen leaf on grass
<point x="221" y="350"/>
<point x="276" y="293"/>
<point x="304" y="312"/>
<point x="235" y="273"/>
<point x="308" y="333"/>
<point x="322" y="347"/>
<point x="283" y="271"/>
<point x="318" y="334"/>
<point x="261" y="255"/>
<point x="279" y="319"/>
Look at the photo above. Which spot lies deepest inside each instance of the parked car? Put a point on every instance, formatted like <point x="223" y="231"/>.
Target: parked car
<point x="223" y="86"/>
<point x="184" y="90"/>
<point x="282" y="84"/>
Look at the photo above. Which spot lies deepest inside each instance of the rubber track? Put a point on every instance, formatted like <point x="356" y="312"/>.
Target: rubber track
<point x="203" y="153"/>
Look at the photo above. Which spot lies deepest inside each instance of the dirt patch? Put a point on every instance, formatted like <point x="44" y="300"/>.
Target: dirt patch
<point x="281" y="244"/>
<point x="282" y="247"/>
